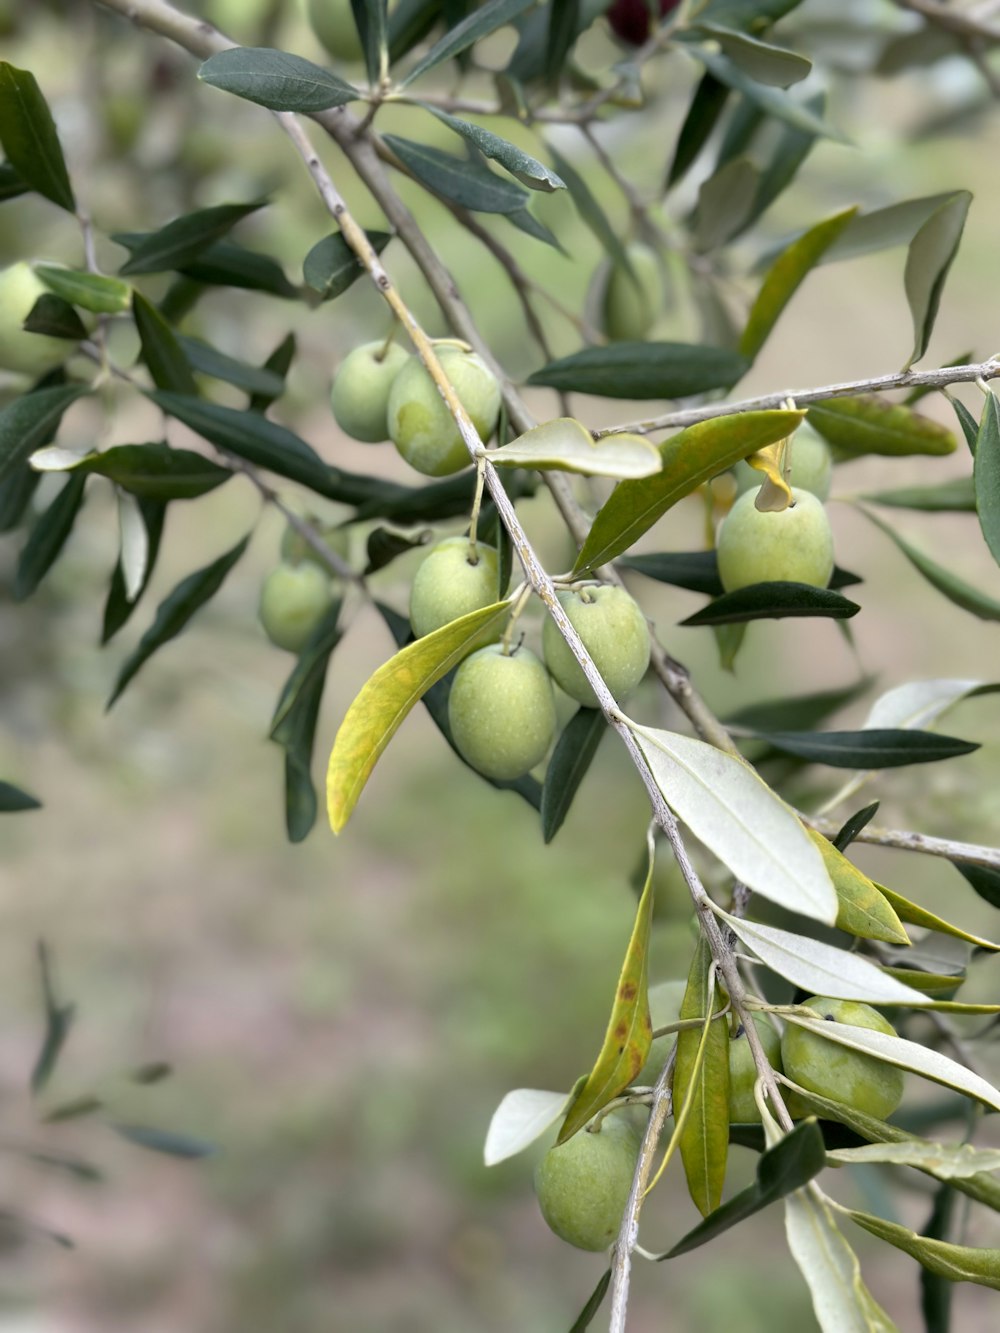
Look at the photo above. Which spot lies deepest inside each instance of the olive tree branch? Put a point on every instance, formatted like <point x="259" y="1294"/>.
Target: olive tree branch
<point x="903" y="379"/>
<point x="913" y="842"/>
<point x="963" y="23"/>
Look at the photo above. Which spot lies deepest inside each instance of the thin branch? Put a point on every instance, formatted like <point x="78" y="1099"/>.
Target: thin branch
<point x="961" y="22"/>
<point x="906" y="841"/>
<point x="902" y="379"/>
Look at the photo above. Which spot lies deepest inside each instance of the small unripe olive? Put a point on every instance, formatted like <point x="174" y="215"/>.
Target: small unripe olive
<point x="293" y="600"/>
<point x="614" y="632"/>
<point x="837" y="1072"/>
<point x="812" y="465"/>
<point x="420" y="425"/>
<point x="665" y="999"/>
<point x="793" y="544"/>
<point x="743" y="1109"/>
<point x="26" y="353"/>
<point x="333" y="23"/>
<point x="360" y="393"/>
<point x="631" y="301"/>
<point x="501" y="712"/>
<point x="583" y="1184"/>
<point x="448" y="585"/>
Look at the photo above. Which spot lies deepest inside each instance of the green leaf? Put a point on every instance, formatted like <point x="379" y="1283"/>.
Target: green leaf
<point x="773" y="601"/>
<point x="790" y="1164"/>
<point x="11" y="184"/>
<point x="725" y="201"/>
<point x="371" y="20"/>
<point x="773" y="66"/>
<point x="182" y="241"/>
<point x="869" y="748"/>
<point x="174" y="612"/>
<point x="862" y="909"/>
<point x="690" y="457"/>
<point x="89" y="291"/>
<point x="955" y="496"/>
<point x="55" y="318"/>
<point x="494" y="14"/>
<point x="756" y="16"/>
<point x="251" y="436"/>
<point x="58" y="1020"/>
<point x="785" y="276"/>
<point x="590" y="210"/>
<point x="730" y="809"/>
<point x="331" y="266"/>
<point x="919" y="916"/>
<point x="936" y="1291"/>
<point x="30" y="421"/>
<point x="226" y="264"/>
<point x="119" y="605"/>
<point x="564" y="445"/>
<point x="935" y="985"/>
<point x="165" y="1141"/>
<point x="985" y="881"/>
<point x="161" y="349"/>
<point x="943" y="1161"/>
<point x="852" y="826"/>
<point x="561" y="33"/>
<point x="464" y="182"/>
<point x="698" y="571"/>
<point x="704" y="1139"/>
<point x="955" y="589"/>
<point x="276" y="79"/>
<point x="30" y="139"/>
<point x="629" y="1033"/>
<point x="15" y="495"/>
<point x="409" y="23"/>
<point x="869" y="425"/>
<point x="384" y="701"/>
<point x="643" y="370"/>
<point x="702" y="116"/>
<point x="586" y="1316"/>
<point x="208" y="360"/>
<point x="819" y="968"/>
<point x="154" y="471"/>
<point x="522" y="1117"/>
<point x="528" y="170"/>
<point x="48" y="537"/>
<point x="772" y="101"/>
<point x="572" y="756"/>
<point x="957" y="1263"/>
<point x="279" y="363"/>
<point x="928" y="260"/>
<point x="970" y="427"/>
<point x="986" y="473"/>
<point x="524" y="220"/>
<point x="798" y="711"/>
<point x="383" y="546"/>
<point x="884" y="228"/>
<point x="13" y="800"/>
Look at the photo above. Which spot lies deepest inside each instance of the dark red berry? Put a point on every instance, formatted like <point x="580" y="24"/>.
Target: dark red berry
<point x="630" y="20"/>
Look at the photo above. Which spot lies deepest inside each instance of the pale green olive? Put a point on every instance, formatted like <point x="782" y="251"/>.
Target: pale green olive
<point x="631" y="302"/>
<point x="293" y="600"/>
<point x="583" y="1185"/>
<point x="448" y="585"/>
<point x="333" y="23"/>
<point x="665" y="999"/>
<point x="26" y="353"/>
<point x="501" y="712"/>
<point x="743" y="1107"/>
<point x="360" y="393"/>
<point x="420" y="425"/>
<point x="614" y="632"/>
<point x="793" y="544"/>
<point x="812" y="465"/>
<point x="837" y="1072"/>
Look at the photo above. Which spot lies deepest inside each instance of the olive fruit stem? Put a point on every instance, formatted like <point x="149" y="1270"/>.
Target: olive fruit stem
<point x="519" y="601"/>
<point x="477" y="501"/>
<point x="383" y="351"/>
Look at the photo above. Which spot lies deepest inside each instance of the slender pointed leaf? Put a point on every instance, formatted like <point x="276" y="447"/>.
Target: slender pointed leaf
<point x="53" y="317"/>
<point x="944" y="1161"/>
<point x="772" y="101"/>
<point x="208" y="360"/>
<point x="591" y="211"/>
<point x="586" y="1316"/>
<point x="30" y="421"/>
<point x="165" y="1141"/>
<point x="384" y="701"/>
<point x="869" y="748"/>
<point x="928" y="260"/>
<point x="463" y="182"/>
<point x="372" y="22"/>
<point x="152" y="471"/>
<point x="698" y="571"/>
<point x="226" y="264"/>
<point x="985" y="881"/>
<point x="58" y="1020"/>
<point x="182" y="241"/>
<point x="89" y="291"/>
<point x="936" y="1291"/>
<point x="571" y="758"/>
<point x="869" y="425"/>
<point x="119" y="605"/>
<point x="13" y="800"/>
<point x="916" y="915"/>
<point x="852" y="827"/>
<point x="174" y="612"/>
<point x="30" y="139"/>
<point x="644" y="370"/>
<point x="277" y="80"/>
<point x="48" y="537"/>
<point x="331" y="266"/>
<point x="706" y="106"/>
<point x="970" y="427"/>
<point x="957" y="496"/>
<point x="773" y="601"/>
<point x="279" y="363"/>
<point x="491" y="16"/>
<point x="955" y="589"/>
<point x="798" y="711"/>
<point x="704" y="1138"/>
<point x="774" y="66"/>
<point x="527" y="169"/>
<point x="986" y="473"/>
<point x="957" y="1263"/>
<point x="161" y="350"/>
<point x="11" y="184"/>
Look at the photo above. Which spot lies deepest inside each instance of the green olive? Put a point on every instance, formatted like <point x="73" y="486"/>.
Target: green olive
<point x="333" y="23"/>
<point x="743" y="1107"/>
<point x="501" y="712"/>
<point x="293" y="600"/>
<point x="631" y="303"/>
<point x="420" y="425"/>
<point x="614" y="632"/>
<point x="448" y="585"/>
<point x="360" y="393"/>
<point x="26" y="353"/>
<point x="838" y="1072"/>
<point x="793" y="544"/>
<point x="583" y="1185"/>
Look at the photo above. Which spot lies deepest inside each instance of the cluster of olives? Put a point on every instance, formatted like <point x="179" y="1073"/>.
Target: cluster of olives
<point x="583" y="1185"/>
<point x="299" y="591"/>
<point x="381" y="392"/>
<point x="793" y="544"/>
<point x="501" y="708"/>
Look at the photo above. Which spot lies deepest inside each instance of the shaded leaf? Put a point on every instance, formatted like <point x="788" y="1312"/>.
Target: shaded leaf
<point x="276" y="79"/>
<point x="522" y="1116"/>
<point x="586" y="1316"/>
<point x="867" y="424"/>
<point x="48" y="537"/>
<point x="161" y="350"/>
<point x="372" y="22"/>
<point x="279" y="363"/>
<point x="16" y="491"/>
<point x="182" y="241"/>
<point x="571" y="758"/>
<point x="728" y="807"/>
<point x="785" y="276"/>
<point x="690" y="457"/>
<point x="464" y="182"/>
<point x="863" y="910"/>
<point x="928" y="260"/>
<point x="494" y="14"/>
<point x="704" y="1138"/>
<point x="13" y="799"/>
<point x="698" y="571"/>
<point x="936" y="1291"/>
<point x="773" y="601"/>
<point x="853" y="826"/>
<point x="564" y="445"/>
<point x="527" y="169"/>
<point x="884" y="228"/>
<point x="409" y="23"/>
<point x="955" y="589"/>
<point x="30" y="139"/>
<point x="707" y="104"/>
<point x="165" y="1141"/>
<point x="644" y="370"/>
<point x="331" y="266"/>
<point x="985" y="881"/>
<point x="58" y="1020"/>
<point x="869" y="748"/>
<point x="789" y="1165"/>
<point x="957" y="1263"/>
<point x="916" y="915"/>
<point x="970" y="427"/>
<point x="955" y="496"/>
<point x="383" y="546"/>
<point x="590" y="210"/>
<point x="986" y="475"/>
<point x="89" y="291"/>
<point x="226" y="264"/>
<point x="30" y="421"/>
<point x="725" y="200"/>
<point x="11" y="184"/>
<point x="119" y="605"/>
<point x="524" y="220"/>
<point x="174" y="612"/>
<point x="629" y="1033"/>
<point x="774" y="66"/>
<point x="210" y="361"/>
<point x="798" y="711"/>
<point x="153" y="471"/>
<point x="772" y="101"/>
<point x="386" y="698"/>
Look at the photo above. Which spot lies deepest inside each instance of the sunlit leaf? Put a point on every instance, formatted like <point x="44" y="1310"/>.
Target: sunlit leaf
<point x="644" y="370"/>
<point x="928" y="260"/>
<point x="564" y="445"/>
<point x="946" y="1161"/>
<point x="867" y="424"/>
<point x="276" y="79"/>
<point x="863" y="909"/>
<point x="704" y="1139"/>
<point x="30" y="139"/>
<point x="522" y="1116"/>
<point x="89" y="291"/>
<point x="916" y="915"/>
<point x="384" y="701"/>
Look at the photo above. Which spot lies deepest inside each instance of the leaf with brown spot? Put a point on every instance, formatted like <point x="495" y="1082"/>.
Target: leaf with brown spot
<point x="630" y="1029"/>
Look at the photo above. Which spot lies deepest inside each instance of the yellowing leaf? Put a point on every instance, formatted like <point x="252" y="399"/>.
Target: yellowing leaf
<point x="564" y="445"/>
<point x="775" y="494"/>
<point x="386" y="698"/>
<point x="630" y="1031"/>
<point x="958" y="1263"/>
<point x="919" y="916"/>
<point x="704" y="1139"/>
<point x="862" y="908"/>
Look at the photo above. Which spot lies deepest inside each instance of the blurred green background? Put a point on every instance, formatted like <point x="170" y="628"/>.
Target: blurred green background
<point x="343" y="1016"/>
